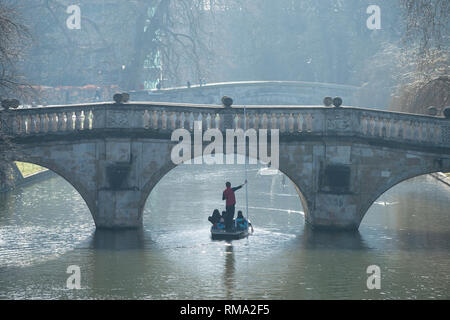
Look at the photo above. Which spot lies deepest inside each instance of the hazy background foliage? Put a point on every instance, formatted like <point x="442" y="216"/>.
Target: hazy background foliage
<point x="147" y="44"/>
<point x="139" y="44"/>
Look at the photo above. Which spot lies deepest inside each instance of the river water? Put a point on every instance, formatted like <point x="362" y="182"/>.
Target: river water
<point x="46" y="227"/>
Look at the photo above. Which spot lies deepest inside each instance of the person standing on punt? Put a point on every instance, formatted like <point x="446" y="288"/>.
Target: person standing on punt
<point x="230" y="198"/>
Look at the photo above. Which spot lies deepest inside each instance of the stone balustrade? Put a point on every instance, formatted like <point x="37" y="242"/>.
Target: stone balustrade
<point x="314" y="120"/>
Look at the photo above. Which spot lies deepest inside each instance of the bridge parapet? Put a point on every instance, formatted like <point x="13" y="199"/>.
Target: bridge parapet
<point x="290" y="120"/>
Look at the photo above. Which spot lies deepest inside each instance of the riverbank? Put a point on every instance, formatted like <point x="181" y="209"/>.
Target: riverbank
<point x="27" y="169"/>
<point x="35" y="178"/>
<point x="26" y="174"/>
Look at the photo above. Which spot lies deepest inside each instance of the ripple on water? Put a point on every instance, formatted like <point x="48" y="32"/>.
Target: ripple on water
<point x="29" y="245"/>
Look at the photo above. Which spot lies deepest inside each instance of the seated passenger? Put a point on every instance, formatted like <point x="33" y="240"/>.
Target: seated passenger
<point x="221" y="224"/>
<point x="215" y="218"/>
<point x="241" y="222"/>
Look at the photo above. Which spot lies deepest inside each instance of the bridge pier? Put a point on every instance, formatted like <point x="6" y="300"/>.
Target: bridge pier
<point x="327" y="183"/>
<point x="339" y="181"/>
<point x="117" y="189"/>
<point x="126" y="171"/>
<point x="335" y="212"/>
<point x="118" y="209"/>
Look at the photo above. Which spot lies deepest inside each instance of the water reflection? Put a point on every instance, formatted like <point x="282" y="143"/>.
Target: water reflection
<point x="45" y="228"/>
<point x="229" y="270"/>
<point x="336" y="240"/>
<point x="6" y="202"/>
<point x="131" y="239"/>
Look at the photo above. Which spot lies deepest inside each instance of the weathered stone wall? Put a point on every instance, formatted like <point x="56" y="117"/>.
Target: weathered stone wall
<point x="10" y="176"/>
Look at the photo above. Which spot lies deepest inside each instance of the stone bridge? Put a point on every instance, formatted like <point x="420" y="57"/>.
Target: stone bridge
<point x="340" y="159"/>
<point x="251" y="93"/>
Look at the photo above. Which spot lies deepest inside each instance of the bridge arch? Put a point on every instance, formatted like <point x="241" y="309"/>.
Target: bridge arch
<point x="301" y="189"/>
<point x="156" y="177"/>
<point x="62" y="172"/>
<point x="159" y="174"/>
<point x="396" y="180"/>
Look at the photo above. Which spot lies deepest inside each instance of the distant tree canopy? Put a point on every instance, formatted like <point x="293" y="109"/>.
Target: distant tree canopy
<point x="424" y="72"/>
<point x="151" y="43"/>
<point x="119" y="42"/>
<point x="13" y="41"/>
<point x="435" y="93"/>
<point x="12" y="37"/>
<point x="133" y="43"/>
<point x="423" y="82"/>
<point x="323" y="41"/>
<point x="427" y="23"/>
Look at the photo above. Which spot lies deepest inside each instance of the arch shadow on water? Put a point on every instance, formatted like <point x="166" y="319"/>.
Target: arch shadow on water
<point x="4" y="200"/>
<point x="127" y="239"/>
<point x="335" y="240"/>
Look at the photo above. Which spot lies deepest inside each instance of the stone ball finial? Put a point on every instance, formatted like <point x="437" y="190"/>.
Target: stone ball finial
<point x="432" y="111"/>
<point x="327" y="101"/>
<point x="10" y="104"/>
<point x="121" y="97"/>
<point x="337" y="102"/>
<point x="15" y="103"/>
<point x="227" y="101"/>
<point x="118" y="98"/>
<point x="446" y="112"/>
<point x="125" y="97"/>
